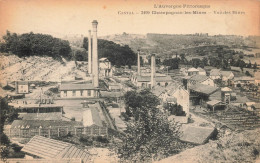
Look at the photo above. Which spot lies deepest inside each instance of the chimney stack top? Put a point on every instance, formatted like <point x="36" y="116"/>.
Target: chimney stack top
<point x="94" y="22"/>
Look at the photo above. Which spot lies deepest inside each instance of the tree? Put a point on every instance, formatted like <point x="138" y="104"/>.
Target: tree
<point x="255" y="66"/>
<point x="29" y="44"/>
<point x="150" y="135"/>
<point x="174" y="109"/>
<point x="118" y="55"/>
<point x="173" y="63"/>
<point x="4" y="141"/>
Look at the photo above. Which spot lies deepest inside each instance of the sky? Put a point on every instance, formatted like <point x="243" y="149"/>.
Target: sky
<point x="69" y="17"/>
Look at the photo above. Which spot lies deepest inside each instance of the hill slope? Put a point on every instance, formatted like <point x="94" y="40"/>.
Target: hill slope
<point x="34" y="68"/>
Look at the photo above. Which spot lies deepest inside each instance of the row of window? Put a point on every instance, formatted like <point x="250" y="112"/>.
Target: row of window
<point x="81" y="93"/>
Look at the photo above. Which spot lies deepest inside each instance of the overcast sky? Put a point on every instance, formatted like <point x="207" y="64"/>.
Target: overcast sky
<point x="63" y="17"/>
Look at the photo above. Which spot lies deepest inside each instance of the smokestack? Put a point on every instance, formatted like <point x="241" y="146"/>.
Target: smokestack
<point x="89" y="53"/>
<point x="152" y="70"/>
<point x="95" y="54"/>
<point x="138" y="63"/>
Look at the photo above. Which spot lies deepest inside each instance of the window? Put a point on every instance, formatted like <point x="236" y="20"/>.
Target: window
<point x="73" y="93"/>
<point x="65" y="93"/>
<point x="89" y="92"/>
<point x="81" y="93"/>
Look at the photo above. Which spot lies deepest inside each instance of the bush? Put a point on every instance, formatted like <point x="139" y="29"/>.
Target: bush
<point x="86" y="141"/>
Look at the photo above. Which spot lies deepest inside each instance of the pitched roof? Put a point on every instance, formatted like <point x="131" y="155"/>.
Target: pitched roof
<point x="244" y="78"/>
<point x="199" y="78"/>
<point x="215" y="72"/>
<point x="22" y="82"/>
<point x="32" y="124"/>
<point x="196" y="134"/>
<point x="215" y="96"/>
<point x="103" y="59"/>
<point x="257" y="105"/>
<point x="213" y="102"/>
<point x="192" y="69"/>
<point x="64" y="87"/>
<point x="49" y="148"/>
<point x="201" y="69"/>
<point x="91" y="117"/>
<point x="205" y="89"/>
<point x="226" y="89"/>
<point x="226" y="73"/>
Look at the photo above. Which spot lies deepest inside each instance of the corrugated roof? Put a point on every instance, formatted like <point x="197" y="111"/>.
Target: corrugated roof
<point x="64" y="87"/>
<point x="205" y="89"/>
<point x="49" y="148"/>
<point x="91" y="117"/>
<point x="199" y="78"/>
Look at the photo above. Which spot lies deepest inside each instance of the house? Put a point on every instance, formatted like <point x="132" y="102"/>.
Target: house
<point x="226" y="75"/>
<point x="145" y="81"/>
<point x="105" y="68"/>
<point x="257" y="78"/>
<point x="193" y="71"/>
<point x="173" y="93"/>
<point x="199" y="79"/>
<point x="78" y="91"/>
<point x="47" y="128"/>
<point x="243" y="80"/>
<point x="201" y="71"/>
<point x="22" y="87"/>
<point x="40" y="147"/>
<point x="215" y="74"/>
<point x="200" y="93"/>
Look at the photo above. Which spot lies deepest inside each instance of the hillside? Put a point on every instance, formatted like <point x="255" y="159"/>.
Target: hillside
<point x="35" y="68"/>
<point x="231" y="147"/>
<point x="168" y="43"/>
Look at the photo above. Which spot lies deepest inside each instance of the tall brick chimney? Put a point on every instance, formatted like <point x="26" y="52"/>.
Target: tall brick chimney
<point x="153" y="70"/>
<point x="138" y="62"/>
<point x="95" y="55"/>
<point x="89" y="53"/>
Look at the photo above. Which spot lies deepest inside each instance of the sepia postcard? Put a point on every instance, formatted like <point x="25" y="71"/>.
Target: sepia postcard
<point x="129" y="81"/>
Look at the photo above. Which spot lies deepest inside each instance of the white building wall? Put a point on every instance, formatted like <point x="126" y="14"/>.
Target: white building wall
<point x="78" y="94"/>
<point x="23" y="89"/>
<point x="182" y="97"/>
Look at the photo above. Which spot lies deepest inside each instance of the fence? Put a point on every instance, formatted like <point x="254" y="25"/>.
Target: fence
<point x="74" y="160"/>
<point x="57" y="131"/>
